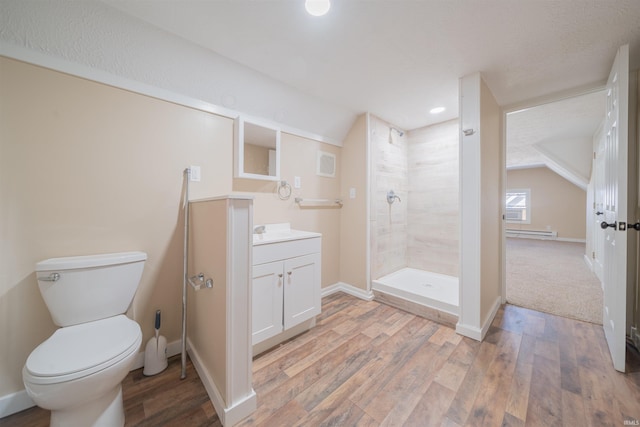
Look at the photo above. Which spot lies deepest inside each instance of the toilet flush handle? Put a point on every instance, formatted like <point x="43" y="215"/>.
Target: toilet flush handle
<point x="53" y="277"/>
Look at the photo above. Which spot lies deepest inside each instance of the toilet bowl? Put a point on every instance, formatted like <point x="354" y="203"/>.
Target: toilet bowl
<point x="77" y="372"/>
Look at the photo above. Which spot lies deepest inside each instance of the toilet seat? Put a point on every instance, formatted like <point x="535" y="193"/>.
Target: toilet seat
<point x="80" y="350"/>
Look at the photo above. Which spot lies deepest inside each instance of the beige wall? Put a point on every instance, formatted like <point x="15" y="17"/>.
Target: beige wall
<point x="491" y="201"/>
<point x="556" y="204"/>
<point x="434" y="200"/>
<point x="298" y="158"/>
<point x="207" y="310"/>
<point x="87" y="168"/>
<point x="353" y="223"/>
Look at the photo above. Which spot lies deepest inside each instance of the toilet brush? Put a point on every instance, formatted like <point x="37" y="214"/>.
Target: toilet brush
<point x="155" y="353"/>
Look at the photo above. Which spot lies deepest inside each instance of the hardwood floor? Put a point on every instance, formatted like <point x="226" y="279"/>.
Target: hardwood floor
<point x="369" y="364"/>
<point x="161" y="400"/>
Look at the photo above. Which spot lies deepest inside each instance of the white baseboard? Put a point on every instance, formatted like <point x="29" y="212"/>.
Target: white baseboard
<point x="228" y="415"/>
<point x="15" y="402"/>
<point x="20" y="400"/>
<point x="587" y="260"/>
<point x="347" y="289"/>
<point x="476" y="333"/>
<point x="469" y="331"/>
<point x="173" y="348"/>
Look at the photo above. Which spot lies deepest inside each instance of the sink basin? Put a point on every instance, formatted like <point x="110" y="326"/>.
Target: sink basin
<point x="274" y="233"/>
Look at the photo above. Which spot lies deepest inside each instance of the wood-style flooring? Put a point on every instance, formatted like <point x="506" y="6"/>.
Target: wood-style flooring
<point x="369" y="364"/>
<point x="161" y="400"/>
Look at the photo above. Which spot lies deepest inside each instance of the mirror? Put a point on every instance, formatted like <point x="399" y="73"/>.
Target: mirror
<point x="256" y="150"/>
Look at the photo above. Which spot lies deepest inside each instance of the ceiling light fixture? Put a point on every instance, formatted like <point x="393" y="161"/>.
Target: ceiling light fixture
<point x="317" y="7"/>
<point x="437" y="110"/>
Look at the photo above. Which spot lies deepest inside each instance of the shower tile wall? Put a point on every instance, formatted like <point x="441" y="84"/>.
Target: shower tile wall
<point x="388" y="222"/>
<point x="433" y="203"/>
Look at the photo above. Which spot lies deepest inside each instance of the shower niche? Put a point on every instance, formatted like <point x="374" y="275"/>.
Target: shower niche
<point x="256" y="150"/>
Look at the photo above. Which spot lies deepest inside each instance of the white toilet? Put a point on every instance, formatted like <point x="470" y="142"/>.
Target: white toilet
<point x="77" y="372"/>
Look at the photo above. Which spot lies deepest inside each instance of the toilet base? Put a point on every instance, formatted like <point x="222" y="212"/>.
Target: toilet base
<point x="108" y="411"/>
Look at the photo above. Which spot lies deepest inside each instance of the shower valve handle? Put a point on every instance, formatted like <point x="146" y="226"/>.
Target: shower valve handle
<point x="392" y="196"/>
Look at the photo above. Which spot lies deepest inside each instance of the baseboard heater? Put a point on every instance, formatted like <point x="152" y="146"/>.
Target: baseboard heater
<point x="533" y="234"/>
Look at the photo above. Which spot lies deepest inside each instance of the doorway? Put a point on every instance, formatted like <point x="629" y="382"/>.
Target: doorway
<point x="551" y="185"/>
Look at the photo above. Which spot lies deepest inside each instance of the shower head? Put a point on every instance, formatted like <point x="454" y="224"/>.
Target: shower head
<point x="399" y="132"/>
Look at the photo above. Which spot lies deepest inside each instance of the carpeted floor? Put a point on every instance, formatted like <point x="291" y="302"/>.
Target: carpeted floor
<point x="552" y="276"/>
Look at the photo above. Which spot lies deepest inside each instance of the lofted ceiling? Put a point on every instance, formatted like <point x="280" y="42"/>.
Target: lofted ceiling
<point x="557" y="134"/>
<point x="398" y="59"/>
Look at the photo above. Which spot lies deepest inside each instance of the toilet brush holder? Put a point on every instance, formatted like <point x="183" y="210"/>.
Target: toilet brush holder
<point x="155" y="353"/>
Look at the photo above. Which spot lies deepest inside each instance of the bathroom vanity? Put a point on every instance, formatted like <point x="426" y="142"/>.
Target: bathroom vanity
<point x="285" y="284"/>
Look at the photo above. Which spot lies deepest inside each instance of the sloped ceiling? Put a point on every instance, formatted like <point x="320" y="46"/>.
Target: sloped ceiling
<point x="558" y="135"/>
<point x="398" y="59"/>
<point x="393" y="58"/>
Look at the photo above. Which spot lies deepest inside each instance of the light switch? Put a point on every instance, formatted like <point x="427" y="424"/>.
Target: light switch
<point x="194" y="173"/>
<point x="352" y="193"/>
<point x="296" y="182"/>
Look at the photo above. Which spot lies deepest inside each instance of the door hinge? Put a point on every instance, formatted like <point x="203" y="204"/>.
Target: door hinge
<point x="593" y="255"/>
<point x="594" y="154"/>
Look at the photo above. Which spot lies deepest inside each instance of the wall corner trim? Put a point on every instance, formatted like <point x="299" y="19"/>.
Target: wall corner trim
<point x="476" y="333"/>
<point x="228" y="415"/>
<point x="62" y="65"/>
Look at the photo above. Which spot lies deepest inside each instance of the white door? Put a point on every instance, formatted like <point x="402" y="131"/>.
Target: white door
<point x="598" y="207"/>
<point x="615" y="208"/>
<point x="302" y="299"/>
<point x="267" y="289"/>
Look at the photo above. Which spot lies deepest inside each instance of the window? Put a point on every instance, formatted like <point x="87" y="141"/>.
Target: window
<point x="519" y="206"/>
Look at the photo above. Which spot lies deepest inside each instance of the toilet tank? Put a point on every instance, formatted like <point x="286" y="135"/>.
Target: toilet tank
<point x="81" y="289"/>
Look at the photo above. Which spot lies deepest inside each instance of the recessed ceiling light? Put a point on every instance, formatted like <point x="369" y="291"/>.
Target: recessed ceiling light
<point x="437" y="110"/>
<point x="317" y="7"/>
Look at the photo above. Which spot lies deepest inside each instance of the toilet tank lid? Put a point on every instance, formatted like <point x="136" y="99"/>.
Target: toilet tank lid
<point x="88" y="261"/>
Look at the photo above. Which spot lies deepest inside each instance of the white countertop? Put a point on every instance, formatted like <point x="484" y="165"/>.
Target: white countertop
<point x="281" y="233"/>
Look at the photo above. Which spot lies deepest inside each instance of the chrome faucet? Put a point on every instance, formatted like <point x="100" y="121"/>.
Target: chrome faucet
<point x="260" y="229"/>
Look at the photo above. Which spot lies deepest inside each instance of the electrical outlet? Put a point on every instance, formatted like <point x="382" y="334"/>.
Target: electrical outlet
<point x="194" y="173"/>
<point x="296" y="182"/>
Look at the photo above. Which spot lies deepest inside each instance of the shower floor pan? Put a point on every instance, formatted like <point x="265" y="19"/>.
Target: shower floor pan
<point x="431" y="295"/>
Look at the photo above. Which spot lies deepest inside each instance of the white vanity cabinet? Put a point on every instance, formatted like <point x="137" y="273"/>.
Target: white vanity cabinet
<point x="286" y="287"/>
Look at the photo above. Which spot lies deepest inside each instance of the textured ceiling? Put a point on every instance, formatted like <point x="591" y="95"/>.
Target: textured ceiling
<point x="397" y="59"/>
<point x="562" y="122"/>
<point x="393" y="58"/>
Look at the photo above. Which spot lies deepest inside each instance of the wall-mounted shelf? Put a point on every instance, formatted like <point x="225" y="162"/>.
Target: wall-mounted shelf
<point x="319" y="203"/>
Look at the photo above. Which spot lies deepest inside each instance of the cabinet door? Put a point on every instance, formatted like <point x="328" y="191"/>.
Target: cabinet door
<point x="301" y="289"/>
<point x="267" y="301"/>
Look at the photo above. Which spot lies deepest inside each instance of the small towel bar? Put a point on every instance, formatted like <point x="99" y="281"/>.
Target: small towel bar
<point x="318" y="203"/>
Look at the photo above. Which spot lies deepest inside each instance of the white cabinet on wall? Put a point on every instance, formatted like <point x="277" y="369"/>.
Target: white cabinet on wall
<point x="286" y="287"/>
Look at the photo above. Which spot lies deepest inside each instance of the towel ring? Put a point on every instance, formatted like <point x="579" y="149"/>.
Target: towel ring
<point x="284" y="195"/>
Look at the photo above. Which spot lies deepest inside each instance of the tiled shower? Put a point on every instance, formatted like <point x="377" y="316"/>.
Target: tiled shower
<point x="421" y="230"/>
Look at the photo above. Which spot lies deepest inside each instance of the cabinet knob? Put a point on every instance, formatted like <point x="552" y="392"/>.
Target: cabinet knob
<point x="280" y="275"/>
<point x="289" y="273"/>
